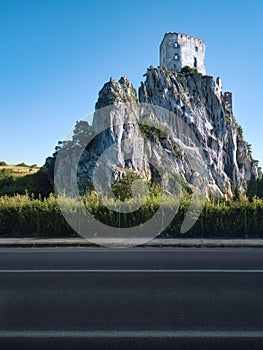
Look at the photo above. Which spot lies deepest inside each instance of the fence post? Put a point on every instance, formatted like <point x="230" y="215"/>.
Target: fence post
<point x="162" y="220"/>
<point x="202" y="224"/>
<point x="245" y="221"/>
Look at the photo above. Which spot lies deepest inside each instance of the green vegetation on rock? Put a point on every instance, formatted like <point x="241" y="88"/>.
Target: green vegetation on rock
<point x="187" y="69"/>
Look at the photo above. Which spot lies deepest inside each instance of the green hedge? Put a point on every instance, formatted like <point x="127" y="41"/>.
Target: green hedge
<point x="25" y="216"/>
<point x="224" y="219"/>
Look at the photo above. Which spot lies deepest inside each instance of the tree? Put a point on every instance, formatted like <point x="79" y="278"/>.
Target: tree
<point x="122" y="188"/>
<point x="236" y="193"/>
<point x="252" y="187"/>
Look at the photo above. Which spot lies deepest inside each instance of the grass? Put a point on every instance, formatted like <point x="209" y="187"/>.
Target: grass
<point x="19" y="179"/>
<point x="18" y="171"/>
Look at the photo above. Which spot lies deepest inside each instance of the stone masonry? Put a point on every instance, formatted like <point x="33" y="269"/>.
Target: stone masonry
<point x="179" y="50"/>
<point x="227" y="99"/>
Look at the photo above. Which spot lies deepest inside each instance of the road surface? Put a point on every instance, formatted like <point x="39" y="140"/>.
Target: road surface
<point x="131" y="298"/>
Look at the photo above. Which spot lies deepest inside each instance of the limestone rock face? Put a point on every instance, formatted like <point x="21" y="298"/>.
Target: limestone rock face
<point x="114" y="92"/>
<point x="118" y="141"/>
<point x="197" y="99"/>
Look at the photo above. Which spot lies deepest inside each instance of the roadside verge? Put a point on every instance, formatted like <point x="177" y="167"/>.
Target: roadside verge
<point x="157" y="242"/>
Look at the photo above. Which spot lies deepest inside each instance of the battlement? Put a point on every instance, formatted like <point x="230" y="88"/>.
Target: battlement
<point x="178" y="50"/>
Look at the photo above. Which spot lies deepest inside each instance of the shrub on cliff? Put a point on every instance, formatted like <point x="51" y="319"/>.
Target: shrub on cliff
<point x="187" y="69"/>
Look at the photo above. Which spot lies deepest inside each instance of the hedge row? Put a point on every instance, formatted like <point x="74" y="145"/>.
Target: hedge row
<point x="24" y="215"/>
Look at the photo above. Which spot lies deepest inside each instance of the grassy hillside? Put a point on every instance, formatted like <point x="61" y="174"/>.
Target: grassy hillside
<point x="18" y="170"/>
<point x="22" y="178"/>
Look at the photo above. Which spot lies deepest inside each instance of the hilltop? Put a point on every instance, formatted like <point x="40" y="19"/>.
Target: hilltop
<point x="195" y="100"/>
<point x="21" y="178"/>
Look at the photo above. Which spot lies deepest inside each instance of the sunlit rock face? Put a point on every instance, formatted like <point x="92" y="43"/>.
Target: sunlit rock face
<point x="117" y="142"/>
<point x="198" y="100"/>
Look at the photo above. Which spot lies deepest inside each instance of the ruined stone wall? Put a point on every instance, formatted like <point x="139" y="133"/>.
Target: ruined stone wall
<point x="178" y="50"/>
<point x="170" y="53"/>
<point x="227" y="98"/>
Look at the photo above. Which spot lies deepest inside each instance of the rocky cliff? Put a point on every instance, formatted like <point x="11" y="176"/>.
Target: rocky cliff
<point x="119" y="141"/>
<point x="198" y="100"/>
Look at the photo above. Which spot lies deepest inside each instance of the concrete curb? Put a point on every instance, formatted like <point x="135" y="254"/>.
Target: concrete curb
<point x="168" y="242"/>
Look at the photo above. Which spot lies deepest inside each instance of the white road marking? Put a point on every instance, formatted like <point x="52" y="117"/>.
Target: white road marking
<point x="134" y="271"/>
<point x="131" y="334"/>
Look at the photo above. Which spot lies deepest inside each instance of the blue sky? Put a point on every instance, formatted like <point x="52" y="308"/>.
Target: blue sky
<point x="57" y="54"/>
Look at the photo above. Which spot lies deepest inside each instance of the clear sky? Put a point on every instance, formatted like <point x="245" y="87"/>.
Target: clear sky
<point x="57" y="54"/>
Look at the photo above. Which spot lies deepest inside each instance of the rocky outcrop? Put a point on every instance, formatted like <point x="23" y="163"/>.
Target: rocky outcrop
<point x="198" y="100"/>
<point x="120" y="142"/>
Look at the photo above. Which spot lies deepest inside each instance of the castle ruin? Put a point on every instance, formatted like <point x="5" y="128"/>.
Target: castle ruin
<point x="179" y="50"/>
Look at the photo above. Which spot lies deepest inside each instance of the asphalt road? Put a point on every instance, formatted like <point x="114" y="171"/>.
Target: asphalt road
<point x="137" y="298"/>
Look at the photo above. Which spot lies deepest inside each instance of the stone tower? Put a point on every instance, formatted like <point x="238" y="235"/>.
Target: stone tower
<point x="179" y="50"/>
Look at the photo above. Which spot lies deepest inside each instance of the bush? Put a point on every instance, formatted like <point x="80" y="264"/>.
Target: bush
<point x="24" y="216"/>
<point x="22" y="165"/>
<point x="187" y="69"/>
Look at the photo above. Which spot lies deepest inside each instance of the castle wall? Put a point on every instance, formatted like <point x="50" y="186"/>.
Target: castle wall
<point x="227" y="98"/>
<point x="168" y="52"/>
<point x="178" y="50"/>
